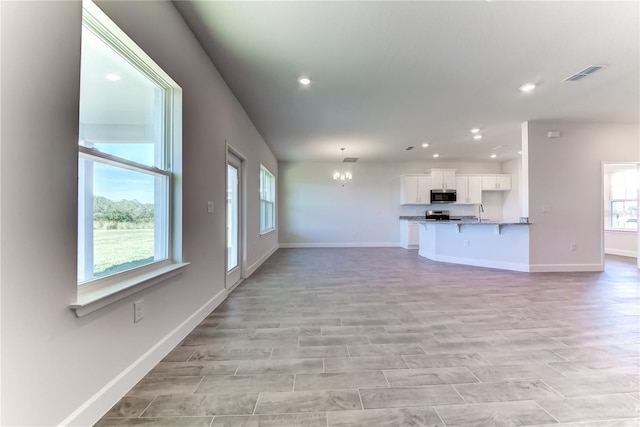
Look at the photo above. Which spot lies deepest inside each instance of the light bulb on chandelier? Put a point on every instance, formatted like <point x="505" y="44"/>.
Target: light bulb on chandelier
<point x="342" y="177"/>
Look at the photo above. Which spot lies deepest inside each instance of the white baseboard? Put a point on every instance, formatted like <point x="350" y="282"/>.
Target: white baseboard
<point x="251" y="269"/>
<point x="93" y="409"/>
<point x="342" y="245"/>
<point x="410" y="247"/>
<point x="487" y="263"/>
<point x="524" y="267"/>
<point x="621" y="252"/>
<point x="564" y="268"/>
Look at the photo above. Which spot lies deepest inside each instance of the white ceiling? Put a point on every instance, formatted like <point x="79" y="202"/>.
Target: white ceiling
<point x="387" y="75"/>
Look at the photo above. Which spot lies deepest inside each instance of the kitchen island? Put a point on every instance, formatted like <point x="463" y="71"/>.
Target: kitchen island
<point x="493" y="244"/>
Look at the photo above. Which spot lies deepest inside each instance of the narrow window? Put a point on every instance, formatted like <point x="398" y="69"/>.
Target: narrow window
<point x="267" y="200"/>
<point x="623" y="202"/>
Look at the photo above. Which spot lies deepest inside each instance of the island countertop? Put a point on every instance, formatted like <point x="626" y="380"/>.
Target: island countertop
<point x="471" y="222"/>
<point x="466" y="220"/>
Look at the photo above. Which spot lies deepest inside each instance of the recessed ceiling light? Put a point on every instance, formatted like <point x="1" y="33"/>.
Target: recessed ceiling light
<point x="475" y="130"/>
<point x="304" y="80"/>
<point x="425" y="144"/>
<point x="409" y="148"/>
<point x="113" y="77"/>
<point x="527" y="87"/>
<point x="493" y="156"/>
<point x="477" y="136"/>
<point x="435" y="156"/>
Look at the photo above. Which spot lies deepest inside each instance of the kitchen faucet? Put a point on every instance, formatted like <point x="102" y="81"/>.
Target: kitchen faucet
<point x="480" y="210"/>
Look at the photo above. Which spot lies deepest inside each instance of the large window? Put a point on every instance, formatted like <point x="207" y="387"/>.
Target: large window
<point x="623" y="198"/>
<point x="128" y="155"/>
<point x="267" y="200"/>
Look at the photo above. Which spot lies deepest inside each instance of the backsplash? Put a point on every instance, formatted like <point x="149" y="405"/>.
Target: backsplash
<point x="492" y="208"/>
<point x="454" y="210"/>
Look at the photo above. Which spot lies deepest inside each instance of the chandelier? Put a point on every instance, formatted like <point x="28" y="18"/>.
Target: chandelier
<point x="342" y="176"/>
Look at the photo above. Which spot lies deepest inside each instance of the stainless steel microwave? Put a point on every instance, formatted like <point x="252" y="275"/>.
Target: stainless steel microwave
<point x="443" y="196"/>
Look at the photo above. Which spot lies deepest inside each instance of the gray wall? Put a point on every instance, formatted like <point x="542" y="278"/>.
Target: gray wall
<point x="565" y="176"/>
<point x="315" y="211"/>
<point x="55" y="366"/>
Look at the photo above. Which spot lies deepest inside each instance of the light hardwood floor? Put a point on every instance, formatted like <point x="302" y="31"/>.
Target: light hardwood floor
<point x="383" y="337"/>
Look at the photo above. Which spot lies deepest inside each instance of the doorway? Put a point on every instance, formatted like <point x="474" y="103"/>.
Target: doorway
<point x="234" y="223"/>
<point x="620" y="212"/>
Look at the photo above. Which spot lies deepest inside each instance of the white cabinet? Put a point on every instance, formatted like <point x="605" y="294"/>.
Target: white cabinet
<point x="409" y="234"/>
<point x="443" y="179"/>
<point x="415" y="190"/>
<point x="496" y="182"/>
<point x="469" y="189"/>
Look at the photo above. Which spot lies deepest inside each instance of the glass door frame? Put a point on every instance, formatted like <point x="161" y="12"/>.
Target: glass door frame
<point x="233" y="276"/>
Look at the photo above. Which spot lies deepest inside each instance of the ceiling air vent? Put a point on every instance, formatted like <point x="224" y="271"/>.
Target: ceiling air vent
<point x="584" y="73"/>
<point x="350" y="160"/>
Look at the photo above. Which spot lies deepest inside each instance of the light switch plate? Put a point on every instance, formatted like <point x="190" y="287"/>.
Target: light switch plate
<point x="210" y="207"/>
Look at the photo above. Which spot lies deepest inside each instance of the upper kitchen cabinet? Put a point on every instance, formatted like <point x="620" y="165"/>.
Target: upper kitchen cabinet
<point x="496" y="182"/>
<point x="443" y="179"/>
<point x="469" y="189"/>
<point x="415" y="190"/>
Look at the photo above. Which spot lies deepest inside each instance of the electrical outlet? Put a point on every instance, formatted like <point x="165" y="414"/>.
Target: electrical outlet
<point x="210" y="207"/>
<point x="465" y="243"/>
<point x="138" y="311"/>
<point x="572" y="247"/>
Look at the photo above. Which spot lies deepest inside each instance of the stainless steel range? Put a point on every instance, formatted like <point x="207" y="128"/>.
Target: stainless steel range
<point x="437" y="216"/>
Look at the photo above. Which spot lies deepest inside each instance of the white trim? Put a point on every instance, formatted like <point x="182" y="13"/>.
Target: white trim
<point x="564" y="268"/>
<point x="621" y="230"/>
<point x="97" y="405"/>
<point x="486" y="263"/>
<point x="410" y="247"/>
<point x="234" y="276"/>
<point x="235" y="285"/>
<point x="621" y="252"/>
<point x="342" y="245"/>
<point x="251" y="269"/>
<point x="266" y="231"/>
<point x="513" y="266"/>
<point x="120" y="162"/>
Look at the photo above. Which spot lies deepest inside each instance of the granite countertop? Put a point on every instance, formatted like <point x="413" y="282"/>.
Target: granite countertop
<point x="472" y="222"/>
<point x="455" y="218"/>
<point x="466" y="220"/>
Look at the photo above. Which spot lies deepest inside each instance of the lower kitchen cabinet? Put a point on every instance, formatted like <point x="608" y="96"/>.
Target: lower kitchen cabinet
<point x="409" y="234"/>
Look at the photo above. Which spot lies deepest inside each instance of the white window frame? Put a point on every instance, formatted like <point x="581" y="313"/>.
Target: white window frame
<point x="609" y="202"/>
<point x="95" y="294"/>
<point x="267" y="178"/>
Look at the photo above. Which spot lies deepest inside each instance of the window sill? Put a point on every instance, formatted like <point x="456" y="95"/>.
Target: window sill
<point x="90" y="301"/>
<point x="264" y="233"/>
<point x="621" y="230"/>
